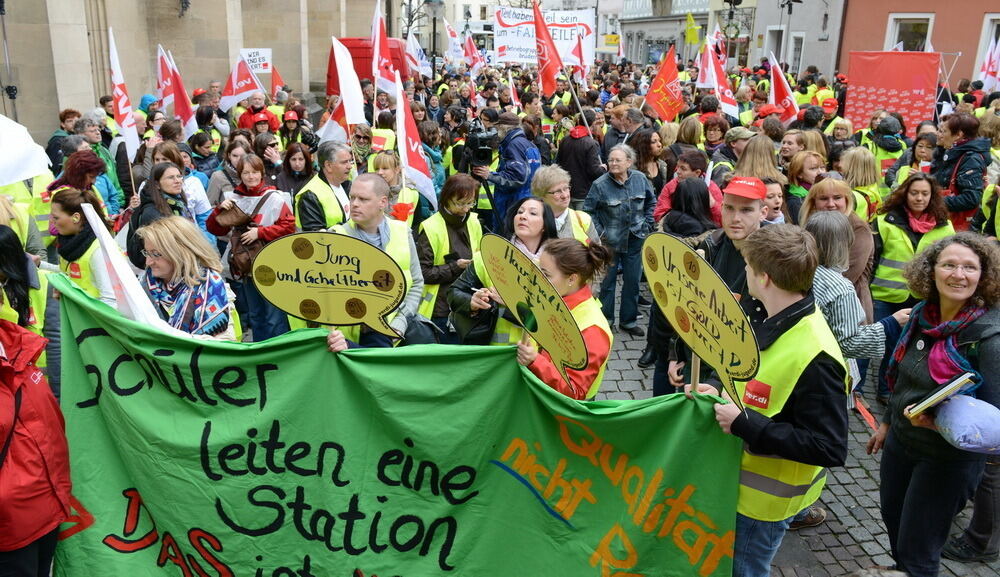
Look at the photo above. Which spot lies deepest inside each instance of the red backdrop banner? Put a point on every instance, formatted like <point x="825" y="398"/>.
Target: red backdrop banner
<point x="905" y="82"/>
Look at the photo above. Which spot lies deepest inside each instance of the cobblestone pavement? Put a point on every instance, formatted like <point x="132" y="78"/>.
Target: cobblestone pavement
<point x="853" y="536"/>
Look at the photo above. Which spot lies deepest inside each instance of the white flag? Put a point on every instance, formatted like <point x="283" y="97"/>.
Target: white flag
<point x="122" y="104"/>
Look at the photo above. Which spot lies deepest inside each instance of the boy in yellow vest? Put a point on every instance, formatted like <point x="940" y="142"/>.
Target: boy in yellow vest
<point x="795" y="420"/>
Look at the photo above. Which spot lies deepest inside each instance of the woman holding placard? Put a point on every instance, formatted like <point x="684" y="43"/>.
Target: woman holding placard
<point x="570" y="265"/>
<point x="478" y="312"/>
<point x="925" y="480"/>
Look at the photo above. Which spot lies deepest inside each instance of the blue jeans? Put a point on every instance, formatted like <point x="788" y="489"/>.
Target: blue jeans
<point x="919" y="496"/>
<point x="267" y="320"/>
<point x="631" y="264"/>
<point x="880" y="310"/>
<point x="756" y="544"/>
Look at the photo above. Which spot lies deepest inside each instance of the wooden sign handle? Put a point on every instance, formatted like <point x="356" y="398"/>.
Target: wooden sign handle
<point x="695" y="371"/>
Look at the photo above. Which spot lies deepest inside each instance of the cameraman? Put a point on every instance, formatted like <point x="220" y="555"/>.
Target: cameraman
<point x="519" y="159"/>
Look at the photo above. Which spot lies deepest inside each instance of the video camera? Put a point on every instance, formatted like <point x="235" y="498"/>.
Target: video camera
<point x="480" y="144"/>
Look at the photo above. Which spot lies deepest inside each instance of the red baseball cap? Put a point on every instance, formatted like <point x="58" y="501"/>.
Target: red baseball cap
<point x="260" y="117"/>
<point x="769" y="109"/>
<point x="830" y="105"/>
<point x="290" y="115"/>
<point x="747" y="187"/>
<point x="802" y="113"/>
<point x="199" y="91"/>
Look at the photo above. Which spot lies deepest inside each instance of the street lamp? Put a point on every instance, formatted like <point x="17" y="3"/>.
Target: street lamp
<point x="436" y="10"/>
<point x="468" y="16"/>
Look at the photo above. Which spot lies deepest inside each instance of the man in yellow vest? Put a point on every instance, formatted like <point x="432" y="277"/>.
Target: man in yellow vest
<point x="369" y="199"/>
<point x="795" y="421"/>
<point x="322" y="202"/>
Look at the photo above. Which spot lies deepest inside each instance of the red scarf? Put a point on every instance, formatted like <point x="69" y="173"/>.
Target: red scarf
<point x="922" y="223"/>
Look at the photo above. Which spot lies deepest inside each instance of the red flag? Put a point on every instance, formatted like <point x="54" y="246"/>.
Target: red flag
<point x="515" y="100"/>
<point x="241" y="84"/>
<point x="549" y="64"/>
<point x="122" y="104"/>
<point x="277" y="82"/>
<point x="182" y="105"/>
<point x="164" y="77"/>
<point x="411" y="151"/>
<point x="727" y="101"/>
<point x="781" y="93"/>
<point x="472" y="57"/>
<point x="383" y="71"/>
<point x="578" y="64"/>
<point x="665" y="91"/>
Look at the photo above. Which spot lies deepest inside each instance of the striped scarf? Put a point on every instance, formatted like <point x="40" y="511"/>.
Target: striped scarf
<point x="944" y="362"/>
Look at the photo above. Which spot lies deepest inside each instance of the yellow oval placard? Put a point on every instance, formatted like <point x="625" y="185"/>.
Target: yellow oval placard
<point x="535" y="302"/>
<point x="330" y="279"/>
<point x="701" y="308"/>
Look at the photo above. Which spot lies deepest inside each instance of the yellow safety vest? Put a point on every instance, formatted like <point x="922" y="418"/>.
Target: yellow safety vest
<point x="506" y="332"/>
<point x="829" y="128"/>
<point x="867" y="201"/>
<point x="746" y="117"/>
<point x="332" y="209"/>
<point x="580" y="223"/>
<point x="407" y="197"/>
<point x="81" y="272"/>
<point x="34" y="193"/>
<point x="383" y="139"/>
<point x="820" y="95"/>
<point x="984" y="204"/>
<point x="19" y="223"/>
<point x="437" y="235"/>
<point x="398" y="248"/>
<point x="888" y="284"/>
<point x="884" y="161"/>
<point x="589" y="314"/>
<point x="37" y="299"/>
<point x="773" y="488"/>
<point x="216" y="138"/>
<point x="483" y="201"/>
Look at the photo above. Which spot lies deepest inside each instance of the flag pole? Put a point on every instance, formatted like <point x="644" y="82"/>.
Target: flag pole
<point x="576" y="98"/>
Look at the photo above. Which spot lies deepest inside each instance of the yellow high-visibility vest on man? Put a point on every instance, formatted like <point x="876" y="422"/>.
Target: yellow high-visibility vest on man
<point x="34" y="193"/>
<point x="794" y="422"/>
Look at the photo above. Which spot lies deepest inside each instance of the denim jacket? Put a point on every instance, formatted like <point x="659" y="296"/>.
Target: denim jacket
<point x="620" y="209"/>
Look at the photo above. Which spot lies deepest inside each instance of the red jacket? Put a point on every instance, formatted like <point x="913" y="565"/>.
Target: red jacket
<point x="664" y="201"/>
<point x="34" y="480"/>
<point x="246" y="120"/>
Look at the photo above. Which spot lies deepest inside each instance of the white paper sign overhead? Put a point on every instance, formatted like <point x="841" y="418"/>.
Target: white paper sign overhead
<point x="259" y="59"/>
<point x="514" y="33"/>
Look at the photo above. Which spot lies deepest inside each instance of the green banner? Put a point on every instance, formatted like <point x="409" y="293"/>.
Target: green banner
<point x="280" y="458"/>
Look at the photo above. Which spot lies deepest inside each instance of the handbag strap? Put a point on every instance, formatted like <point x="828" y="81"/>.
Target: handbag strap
<point x="13" y="425"/>
<point x="260" y="204"/>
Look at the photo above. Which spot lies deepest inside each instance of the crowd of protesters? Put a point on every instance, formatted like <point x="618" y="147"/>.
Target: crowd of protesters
<point x="879" y="239"/>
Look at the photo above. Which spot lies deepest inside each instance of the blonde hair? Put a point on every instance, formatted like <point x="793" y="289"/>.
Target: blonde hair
<point x="859" y="168"/>
<point x="7" y="212"/>
<point x="989" y="125"/>
<point x="825" y="186"/>
<point x="668" y="133"/>
<point x="546" y="177"/>
<point x="815" y="142"/>
<point x="386" y="159"/>
<point x="182" y="243"/>
<point x="690" y="131"/>
<point x="758" y="160"/>
<point x="845" y="123"/>
<point x="798" y="162"/>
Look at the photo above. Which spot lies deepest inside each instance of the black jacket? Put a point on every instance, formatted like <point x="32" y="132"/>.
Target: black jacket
<point x="971" y="157"/>
<point x="144" y="214"/>
<point x="310" y="211"/>
<point x="580" y="155"/>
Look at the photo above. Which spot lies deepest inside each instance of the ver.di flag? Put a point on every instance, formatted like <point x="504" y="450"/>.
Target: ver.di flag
<point x="164" y="78"/>
<point x="514" y="98"/>
<point x="549" y="64"/>
<point x="277" y="83"/>
<point x="727" y="101"/>
<point x="665" y="96"/>
<point x="122" y="104"/>
<point x="183" y="109"/>
<point x="417" y="58"/>
<point x="242" y="82"/>
<point x="382" y="69"/>
<point x="350" y="107"/>
<point x="455" y="51"/>
<point x="781" y="93"/>
<point x="411" y="151"/>
<point x="473" y="59"/>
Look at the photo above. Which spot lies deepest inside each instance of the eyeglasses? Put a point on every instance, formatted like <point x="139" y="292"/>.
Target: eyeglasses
<point x="151" y="254"/>
<point x="272" y="144"/>
<point x="361" y="137"/>
<point x="469" y="204"/>
<point x="950" y="267"/>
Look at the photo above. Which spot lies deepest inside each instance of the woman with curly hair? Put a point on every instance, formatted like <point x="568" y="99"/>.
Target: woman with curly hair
<point x="925" y="480"/>
<point x="715" y="133"/>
